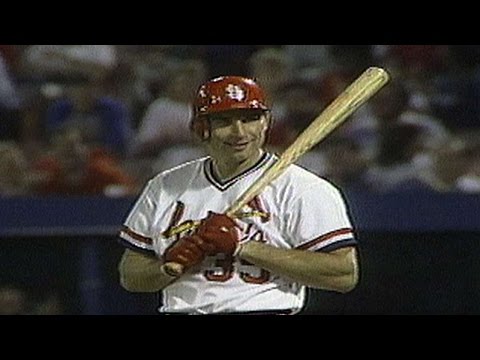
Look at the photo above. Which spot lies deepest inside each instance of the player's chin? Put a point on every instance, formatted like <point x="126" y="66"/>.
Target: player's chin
<point x="237" y="156"/>
<point x="243" y="153"/>
<point x="240" y="154"/>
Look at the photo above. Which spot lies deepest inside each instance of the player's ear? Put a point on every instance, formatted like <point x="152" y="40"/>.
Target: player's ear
<point x="269" y="123"/>
<point x="269" y="118"/>
<point x="200" y="126"/>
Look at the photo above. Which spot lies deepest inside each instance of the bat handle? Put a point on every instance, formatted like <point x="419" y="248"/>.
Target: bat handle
<point x="172" y="268"/>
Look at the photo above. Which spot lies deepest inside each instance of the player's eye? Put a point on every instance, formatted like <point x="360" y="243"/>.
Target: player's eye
<point x="221" y="121"/>
<point x="250" y="118"/>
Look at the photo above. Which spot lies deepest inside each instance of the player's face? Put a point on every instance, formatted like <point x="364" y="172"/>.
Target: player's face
<point x="237" y="136"/>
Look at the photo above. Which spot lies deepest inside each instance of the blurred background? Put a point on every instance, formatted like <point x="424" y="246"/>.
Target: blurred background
<point x="83" y="127"/>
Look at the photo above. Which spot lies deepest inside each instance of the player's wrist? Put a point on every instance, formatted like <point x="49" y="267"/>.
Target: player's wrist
<point x="238" y="250"/>
<point x="250" y="250"/>
<point x="241" y="249"/>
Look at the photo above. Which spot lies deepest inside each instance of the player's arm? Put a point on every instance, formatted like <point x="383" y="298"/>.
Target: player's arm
<point x="140" y="267"/>
<point x="333" y="271"/>
<point x="143" y="273"/>
<point x="318" y="210"/>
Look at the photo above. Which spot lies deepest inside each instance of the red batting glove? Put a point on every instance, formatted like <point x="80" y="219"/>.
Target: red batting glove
<point x="188" y="251"/>
<point x="221" y="232"/>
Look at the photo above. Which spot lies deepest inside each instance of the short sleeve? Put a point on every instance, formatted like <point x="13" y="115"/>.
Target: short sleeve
<point x="137" y="233"/>
<point x="318" y="220"/>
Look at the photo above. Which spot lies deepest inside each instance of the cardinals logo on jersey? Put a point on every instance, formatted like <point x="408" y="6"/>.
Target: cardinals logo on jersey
<point x="221" y="268"/>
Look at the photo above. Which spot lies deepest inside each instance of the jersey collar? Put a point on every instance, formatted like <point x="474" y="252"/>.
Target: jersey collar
<point x="224" y="185"/>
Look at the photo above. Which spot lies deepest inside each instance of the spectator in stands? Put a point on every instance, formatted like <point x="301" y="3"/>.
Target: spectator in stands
<point x="10" y="54"/>
<point x="65" y="62"/>
<point x="227" y="59"/>
<point x="10" y="124"/>
<point x="349" y="61"/>
<point x="394" y="167"/>
<point x="146" y="69"/>
<point x="418" y="66"/>
<point x="345" y="164"/>
<point x="418" y="59"/>
<point x="166" y="121"/>
<point x="14" y="170"/>
<point x="469" y="182"/>
<point x="13" y="300"/>
<point x="75" y="167"/>
<point x="50" y="304"/>
<point x="311" y="60"/>
<point x="387" y="108"/>
<point x="273" y="69"/>
<point x="455" y="166"/>
<point x="103" y="119"/>
<point x="352" y="58"/>
<point x="301" y="106"/>
<point x="457" y="89"/>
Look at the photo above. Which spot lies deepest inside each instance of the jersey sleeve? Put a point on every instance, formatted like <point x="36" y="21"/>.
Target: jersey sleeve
<point x="318" y="220"/>
<point x="137" y="233"/>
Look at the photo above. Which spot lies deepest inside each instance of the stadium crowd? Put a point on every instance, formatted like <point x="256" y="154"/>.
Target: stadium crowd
<point x="102" y="119"/>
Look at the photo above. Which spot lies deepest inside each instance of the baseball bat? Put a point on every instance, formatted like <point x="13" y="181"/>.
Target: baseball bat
<point x="335" y="114"/>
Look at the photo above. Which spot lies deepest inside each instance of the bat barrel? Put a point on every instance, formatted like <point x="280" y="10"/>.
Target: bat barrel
<point x="354" y="96"/>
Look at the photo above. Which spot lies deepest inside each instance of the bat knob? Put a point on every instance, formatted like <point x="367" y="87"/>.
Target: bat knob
<point x="173" y="269"/>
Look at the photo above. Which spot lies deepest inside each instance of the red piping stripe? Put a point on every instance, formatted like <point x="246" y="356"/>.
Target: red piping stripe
<point x="325" y="237"/>
<point x="137" y="237"/>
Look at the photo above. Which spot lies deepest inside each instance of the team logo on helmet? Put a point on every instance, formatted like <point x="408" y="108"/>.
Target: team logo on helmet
<point x="215" y="99"/>
<point x="235" y="92"/>
<point x="223" y="94"/>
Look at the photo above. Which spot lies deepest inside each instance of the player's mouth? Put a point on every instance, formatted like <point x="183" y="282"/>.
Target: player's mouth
<point x="238" y="145"/>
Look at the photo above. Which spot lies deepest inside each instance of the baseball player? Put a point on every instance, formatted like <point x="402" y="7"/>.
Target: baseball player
<point x="295" y="234"/>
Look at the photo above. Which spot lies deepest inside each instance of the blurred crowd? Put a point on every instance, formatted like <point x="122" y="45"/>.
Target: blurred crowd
<point x="102" y="119"/>
<point x="18" y="300"/>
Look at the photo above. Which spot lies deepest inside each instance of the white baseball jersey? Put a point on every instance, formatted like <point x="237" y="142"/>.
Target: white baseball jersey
<point x="300" y="211"/>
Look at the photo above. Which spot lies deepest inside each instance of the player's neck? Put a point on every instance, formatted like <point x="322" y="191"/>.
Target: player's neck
<point x="225" y="170"/>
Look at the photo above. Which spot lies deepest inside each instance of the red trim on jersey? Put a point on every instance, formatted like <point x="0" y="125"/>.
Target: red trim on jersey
<point x="257" y="204"/>
<point x="325" y="237"/>
<point x="177" y="215"/>
<point x="135" y="236"/>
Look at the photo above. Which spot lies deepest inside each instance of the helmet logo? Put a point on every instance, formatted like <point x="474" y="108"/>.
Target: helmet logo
<point x="215" y="99"/>
<point x="235" y="92"/>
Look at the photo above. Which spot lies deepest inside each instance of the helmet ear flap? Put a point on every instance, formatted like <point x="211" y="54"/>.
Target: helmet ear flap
<point x="201" y="127"/>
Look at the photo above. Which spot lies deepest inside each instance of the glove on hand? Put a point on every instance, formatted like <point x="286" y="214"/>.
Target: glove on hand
<point x="221" y="232"/>
<point x="189" y="251"/>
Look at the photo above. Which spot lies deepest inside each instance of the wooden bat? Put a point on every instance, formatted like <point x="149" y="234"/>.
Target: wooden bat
<point x="354" y="96"/>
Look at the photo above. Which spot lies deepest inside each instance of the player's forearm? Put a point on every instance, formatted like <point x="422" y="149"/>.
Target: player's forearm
<point x="139" y="273"/>
<point x="335" y="271"/>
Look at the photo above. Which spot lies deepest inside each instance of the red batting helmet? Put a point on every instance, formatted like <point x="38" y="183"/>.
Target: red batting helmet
<point x="222" y="94"/>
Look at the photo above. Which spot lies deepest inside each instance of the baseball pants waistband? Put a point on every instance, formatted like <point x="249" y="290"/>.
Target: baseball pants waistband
<point x="259" y="312"/>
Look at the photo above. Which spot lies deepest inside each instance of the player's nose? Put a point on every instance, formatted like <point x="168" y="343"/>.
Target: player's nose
<point x="238" y="127"/>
